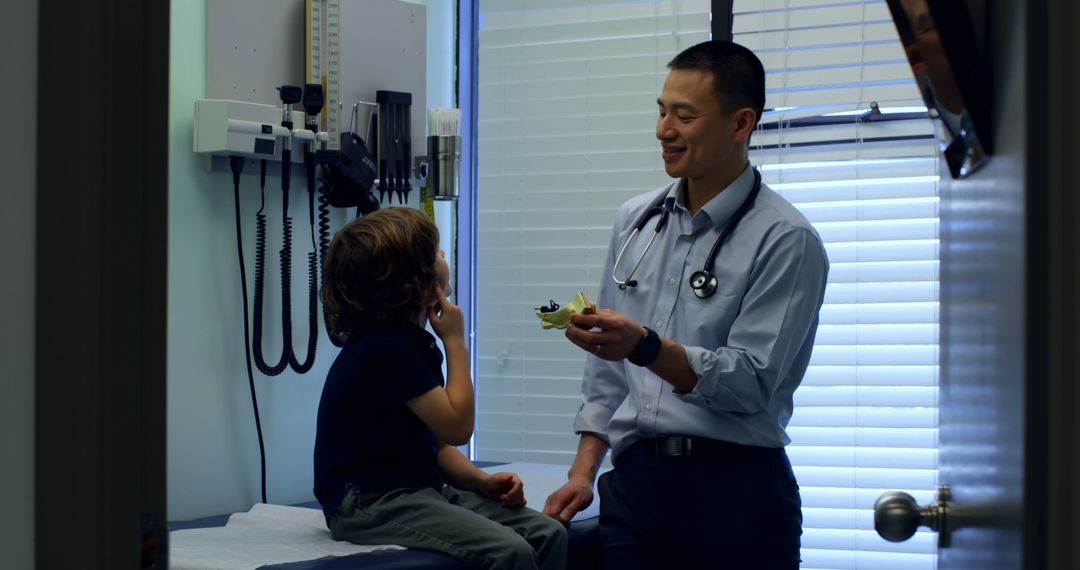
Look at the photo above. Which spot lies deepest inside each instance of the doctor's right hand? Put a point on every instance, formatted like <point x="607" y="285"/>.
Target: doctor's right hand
<point x="446" y="318"/>
<point x="606" y="333"/>
<point x="568" y="500"/>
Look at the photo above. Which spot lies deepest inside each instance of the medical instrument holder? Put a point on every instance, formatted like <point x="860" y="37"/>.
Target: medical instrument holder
<point x="444" y="156"/>
<point x="393" y="144"/>
<point x="226" y="128"/>
<point x="236" y="128"/>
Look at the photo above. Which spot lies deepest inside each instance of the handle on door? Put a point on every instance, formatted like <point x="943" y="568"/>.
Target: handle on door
<point x="897" y="516"/>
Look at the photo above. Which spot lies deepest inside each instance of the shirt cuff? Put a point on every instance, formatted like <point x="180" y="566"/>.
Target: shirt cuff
<point x="700" y="362"/>
<point x="593" y="418"/>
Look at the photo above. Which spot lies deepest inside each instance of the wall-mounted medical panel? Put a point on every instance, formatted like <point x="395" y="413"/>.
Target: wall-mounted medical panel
<point x="253" y="46"/>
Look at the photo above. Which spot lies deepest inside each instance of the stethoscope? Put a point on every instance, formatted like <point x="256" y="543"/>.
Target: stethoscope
<point x="703" y="282"/>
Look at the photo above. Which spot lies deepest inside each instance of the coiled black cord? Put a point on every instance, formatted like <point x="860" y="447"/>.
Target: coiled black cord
<point x="260" y="278"/>
<point x="324" y="220"/>
<point x="288" y="356"/>
<point x="237" y="164"/>
<point x="309" y="162"/>
<point x="313" y="319"/>
<point x="324" y="244"/>
<point x="313" y="276"/>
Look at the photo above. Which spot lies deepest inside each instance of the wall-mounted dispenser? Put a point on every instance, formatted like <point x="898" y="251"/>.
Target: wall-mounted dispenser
<point x="444" y="153"/>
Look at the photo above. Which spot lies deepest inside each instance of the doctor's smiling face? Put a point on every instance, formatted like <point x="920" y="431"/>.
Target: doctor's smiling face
<point x="700" y="140"/>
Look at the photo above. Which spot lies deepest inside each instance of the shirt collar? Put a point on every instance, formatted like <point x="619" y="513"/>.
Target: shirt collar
<point x="408" y="329"/>
<point x="723" y="205"/>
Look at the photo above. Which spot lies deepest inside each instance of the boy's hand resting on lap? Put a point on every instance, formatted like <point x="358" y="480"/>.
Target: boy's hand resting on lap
<point x="505" y="487"/>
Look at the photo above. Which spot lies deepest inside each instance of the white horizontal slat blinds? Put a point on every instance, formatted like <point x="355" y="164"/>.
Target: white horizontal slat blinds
<point x="826" y="52"/>
<point x="865" y="418"/>
<point x="566" y="134"/>
<point x="567" y="111"/>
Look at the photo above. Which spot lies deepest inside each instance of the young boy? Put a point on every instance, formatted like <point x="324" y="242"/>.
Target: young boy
<point x="386" y="469"/>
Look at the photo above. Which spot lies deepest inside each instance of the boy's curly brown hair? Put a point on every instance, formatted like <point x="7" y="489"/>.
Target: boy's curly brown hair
<point x="378" y="270"/>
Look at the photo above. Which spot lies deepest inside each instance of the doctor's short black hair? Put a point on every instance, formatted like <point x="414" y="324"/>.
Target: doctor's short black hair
<point x="379" y="269"/>
<point x="738" y="75"/>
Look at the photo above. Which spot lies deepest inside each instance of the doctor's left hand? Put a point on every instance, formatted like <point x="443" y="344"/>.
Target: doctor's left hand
<point x="504" y="487"/>
<point x="605" y="333"/>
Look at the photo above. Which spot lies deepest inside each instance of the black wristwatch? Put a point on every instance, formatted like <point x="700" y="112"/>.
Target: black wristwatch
<point x="647" y="350"/>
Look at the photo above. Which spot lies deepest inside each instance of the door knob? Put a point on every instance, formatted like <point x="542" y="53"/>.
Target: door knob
<point x="897" y="516"/>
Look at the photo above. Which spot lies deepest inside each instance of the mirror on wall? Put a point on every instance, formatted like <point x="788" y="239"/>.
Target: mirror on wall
<point x="941" y="43"/>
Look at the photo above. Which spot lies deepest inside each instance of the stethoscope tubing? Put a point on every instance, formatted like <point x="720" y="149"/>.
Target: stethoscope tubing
<point x="637" y="229"/>
<point x="657" y="208"/>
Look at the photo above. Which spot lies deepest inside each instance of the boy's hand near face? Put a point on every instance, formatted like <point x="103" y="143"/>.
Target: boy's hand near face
<point x="449" y="411"/>
<point x="445" y="317"/>
<point x="504" y="487"/>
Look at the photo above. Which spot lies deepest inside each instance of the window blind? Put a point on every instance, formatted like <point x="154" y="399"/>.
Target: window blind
<point x="566" y="134"/>
<point x="567" y="110"/>
<point x="865" y="418"/>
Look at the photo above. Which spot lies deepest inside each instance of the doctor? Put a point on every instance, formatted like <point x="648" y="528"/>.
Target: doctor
<point x="708" y="320"/>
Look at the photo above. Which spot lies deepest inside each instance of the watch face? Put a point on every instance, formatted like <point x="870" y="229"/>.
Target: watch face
<point x="648" y="349"/>
<point x="651" y="344"/>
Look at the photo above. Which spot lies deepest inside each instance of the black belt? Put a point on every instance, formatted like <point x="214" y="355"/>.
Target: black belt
<point x="682" y="446"/>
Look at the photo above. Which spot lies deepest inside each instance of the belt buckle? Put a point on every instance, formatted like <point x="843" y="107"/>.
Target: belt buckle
<point x="674" y="446"/>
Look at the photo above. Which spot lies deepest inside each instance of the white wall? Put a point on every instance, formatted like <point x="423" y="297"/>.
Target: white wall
<point x="17" y="225"/>
<point x="440" y="56"/>
<point x="212" y="446"/>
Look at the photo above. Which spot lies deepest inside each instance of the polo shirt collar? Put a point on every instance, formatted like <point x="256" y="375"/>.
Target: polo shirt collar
<point x="409" y="329"/>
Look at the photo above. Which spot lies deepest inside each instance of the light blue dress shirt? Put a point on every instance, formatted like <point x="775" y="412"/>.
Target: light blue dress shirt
<point x="749" y="343"/>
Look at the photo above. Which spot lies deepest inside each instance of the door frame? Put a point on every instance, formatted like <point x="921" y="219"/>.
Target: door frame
<point x="1051" y="495"/>
<point x="100" y="371"/>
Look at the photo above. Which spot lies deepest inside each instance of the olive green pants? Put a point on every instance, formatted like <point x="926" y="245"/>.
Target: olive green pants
<point x="477" y="530"/>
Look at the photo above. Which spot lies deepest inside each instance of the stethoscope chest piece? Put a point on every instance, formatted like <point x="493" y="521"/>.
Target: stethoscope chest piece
<point x="703" y="284"/>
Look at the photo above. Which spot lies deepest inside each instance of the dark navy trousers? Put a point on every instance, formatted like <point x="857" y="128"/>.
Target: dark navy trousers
<point x="725" y="507"/>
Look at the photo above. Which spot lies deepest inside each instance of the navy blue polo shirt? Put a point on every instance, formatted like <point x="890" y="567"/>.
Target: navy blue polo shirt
<point x="365" y="435"/>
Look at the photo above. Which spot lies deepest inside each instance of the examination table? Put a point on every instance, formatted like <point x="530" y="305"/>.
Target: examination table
<point x="539" y="481"/>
